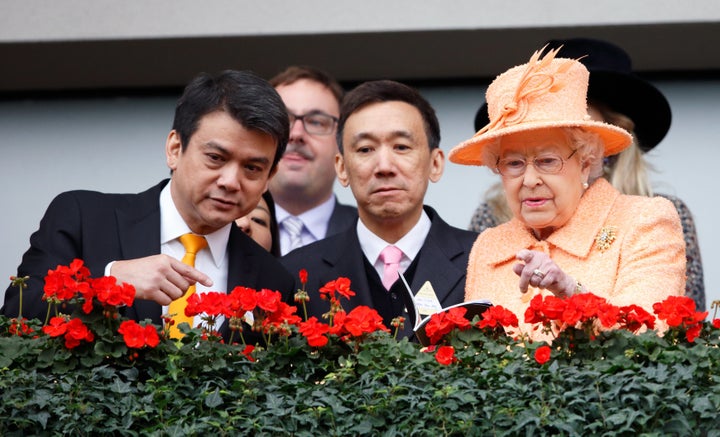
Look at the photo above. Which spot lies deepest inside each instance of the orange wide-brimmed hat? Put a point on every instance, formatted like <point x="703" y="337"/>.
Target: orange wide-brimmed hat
<point x="545" y="93"/>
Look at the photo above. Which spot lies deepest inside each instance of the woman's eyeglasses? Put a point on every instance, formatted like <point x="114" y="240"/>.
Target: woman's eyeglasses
<point x="547" y="164"/>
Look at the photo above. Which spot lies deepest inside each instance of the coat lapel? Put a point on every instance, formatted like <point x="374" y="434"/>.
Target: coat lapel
<point x="240" y="262"/>
<point x="138" y="228"/>
<point x="436" y="260"/>
<point x="348" y="260"/>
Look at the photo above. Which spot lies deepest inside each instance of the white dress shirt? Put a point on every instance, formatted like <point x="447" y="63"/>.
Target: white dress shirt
<point x="410" y="244"/>
<point x="213" y="260"/>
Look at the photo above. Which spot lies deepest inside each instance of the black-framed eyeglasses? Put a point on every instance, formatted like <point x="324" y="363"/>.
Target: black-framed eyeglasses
<point x="315" y="122"/>
<point x="548" y="163"/>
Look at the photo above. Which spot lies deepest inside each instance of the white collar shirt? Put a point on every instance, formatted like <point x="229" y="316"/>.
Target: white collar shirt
<point x="410" y="244"/>
<point x="213" y="260"/>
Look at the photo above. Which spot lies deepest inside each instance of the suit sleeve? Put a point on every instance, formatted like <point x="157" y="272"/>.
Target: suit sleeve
<point x="56" y="242"/>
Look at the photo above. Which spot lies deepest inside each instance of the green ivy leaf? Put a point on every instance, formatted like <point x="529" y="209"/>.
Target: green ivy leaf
<point x="213" y="399"/>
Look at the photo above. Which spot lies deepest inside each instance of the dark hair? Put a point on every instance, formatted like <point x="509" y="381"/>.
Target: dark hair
<point x="247" y="98"/>
<point x="297" y="72"/>
<point x="389" y="91"/>
<point x="274" y="229"/>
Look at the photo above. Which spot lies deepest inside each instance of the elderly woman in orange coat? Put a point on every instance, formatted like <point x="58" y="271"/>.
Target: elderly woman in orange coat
<point x="571" y="231"/>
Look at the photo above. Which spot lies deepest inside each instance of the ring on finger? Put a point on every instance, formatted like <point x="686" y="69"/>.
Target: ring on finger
<point x="538" y="273"/>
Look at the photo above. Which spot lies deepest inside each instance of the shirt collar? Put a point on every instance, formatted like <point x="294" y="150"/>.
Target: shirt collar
<point x="410" y="243"/>
<point x="172" y="226"/>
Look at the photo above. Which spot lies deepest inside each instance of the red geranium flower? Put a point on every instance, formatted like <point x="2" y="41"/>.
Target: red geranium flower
<point x="338" y="320"/>
<point x="327" y="291"/>
<point x="303" y="276"/>
<point x="456" y="316"/>
<point x="283" y="316"/>
<point x="65" y="282"/>
<point x="268" y="300"/>
<point x="108" y="292"/>
<point x="19" y="327"/>
<point x="497" y="316"/>
<point x="716" y="323"/>
<point x="675" y="310"/>
<point x="445" y="355"/>
<point x="214" y="303"/>
<point x="633" y="317"/>
<point x="56" y="327"/>
<point x="242" y="300"/>
<point x="314" y="332"/>
<point x="363" y="320"/>
<point x="76" y="331"/>
<point x="679" y="312"/>
<point x="581" y="308"/>
<point x="542" y="354"/>
<point x="546" y="310"/>
<point x="249" y="348"/>
<point x="692" y="332"/>
<point x="137" y="336"/>
<point x="438" y="327"/>
<point x="342" y="285"/>
<point x="151" y="336"/>
<point x="609" y="314"/>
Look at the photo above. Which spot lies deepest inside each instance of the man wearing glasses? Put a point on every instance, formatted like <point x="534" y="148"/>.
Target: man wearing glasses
<point x="307" y="210"/>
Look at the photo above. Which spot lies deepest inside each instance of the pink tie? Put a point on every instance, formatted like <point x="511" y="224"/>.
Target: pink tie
<point x="391" y="256"/>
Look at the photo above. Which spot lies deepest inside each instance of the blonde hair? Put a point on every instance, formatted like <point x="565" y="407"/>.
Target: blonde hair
<point x="496" y="200"/>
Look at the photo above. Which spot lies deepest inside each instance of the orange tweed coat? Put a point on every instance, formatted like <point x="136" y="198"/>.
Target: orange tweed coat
<point x="643" y="264"/>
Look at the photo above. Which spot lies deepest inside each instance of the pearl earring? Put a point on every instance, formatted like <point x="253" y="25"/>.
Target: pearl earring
<point x="585" y="185"/>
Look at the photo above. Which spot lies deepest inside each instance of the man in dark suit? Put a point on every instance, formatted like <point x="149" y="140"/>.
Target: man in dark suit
<point x="306" y="209"/>
<point x="389" y="141"/>
<point x="228" y="135"/>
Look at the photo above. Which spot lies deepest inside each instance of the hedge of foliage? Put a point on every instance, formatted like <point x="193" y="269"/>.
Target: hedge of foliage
<point x="113" y="376"/>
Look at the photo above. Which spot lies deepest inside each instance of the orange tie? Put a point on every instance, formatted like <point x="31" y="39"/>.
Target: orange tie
<point x="193" y="244"/>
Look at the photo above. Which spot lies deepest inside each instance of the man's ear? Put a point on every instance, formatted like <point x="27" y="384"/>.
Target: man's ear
<point x="173" y="149"/>
<point x="340" y="170"/>
<point x="437" y="164"/>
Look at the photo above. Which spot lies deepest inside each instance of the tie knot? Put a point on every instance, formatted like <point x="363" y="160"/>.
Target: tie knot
<point x="391" y="255"/>
<point x="193" y="243"/>
<point x="293" y="225"/>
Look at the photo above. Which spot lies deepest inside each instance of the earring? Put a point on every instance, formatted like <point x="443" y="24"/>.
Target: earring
<point x="585" y="185"/>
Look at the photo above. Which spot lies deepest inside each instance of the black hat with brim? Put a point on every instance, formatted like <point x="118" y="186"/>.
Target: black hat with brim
<point x="613" y="84"/>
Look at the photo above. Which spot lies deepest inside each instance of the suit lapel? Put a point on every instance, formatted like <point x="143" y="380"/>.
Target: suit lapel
<point x="138" y="228"/>
<point x="348" y="260"/>
<point x="240" y="262"/>
<point x="436" y="260"/>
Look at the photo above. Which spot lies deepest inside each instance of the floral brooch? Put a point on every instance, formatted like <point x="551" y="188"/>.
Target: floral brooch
<point x="605" y="237"/>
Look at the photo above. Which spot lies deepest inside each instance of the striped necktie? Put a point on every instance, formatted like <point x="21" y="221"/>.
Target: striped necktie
<point x="294" y="226"/>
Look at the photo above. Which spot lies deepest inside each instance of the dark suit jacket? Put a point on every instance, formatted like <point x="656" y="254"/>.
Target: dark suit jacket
<point x="99" y="228"/>
<point x="442" y="260"/>
<point x="342" y="218"/>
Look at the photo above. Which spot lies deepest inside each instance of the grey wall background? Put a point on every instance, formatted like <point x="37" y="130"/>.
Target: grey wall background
<point x="116" y="144"/>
